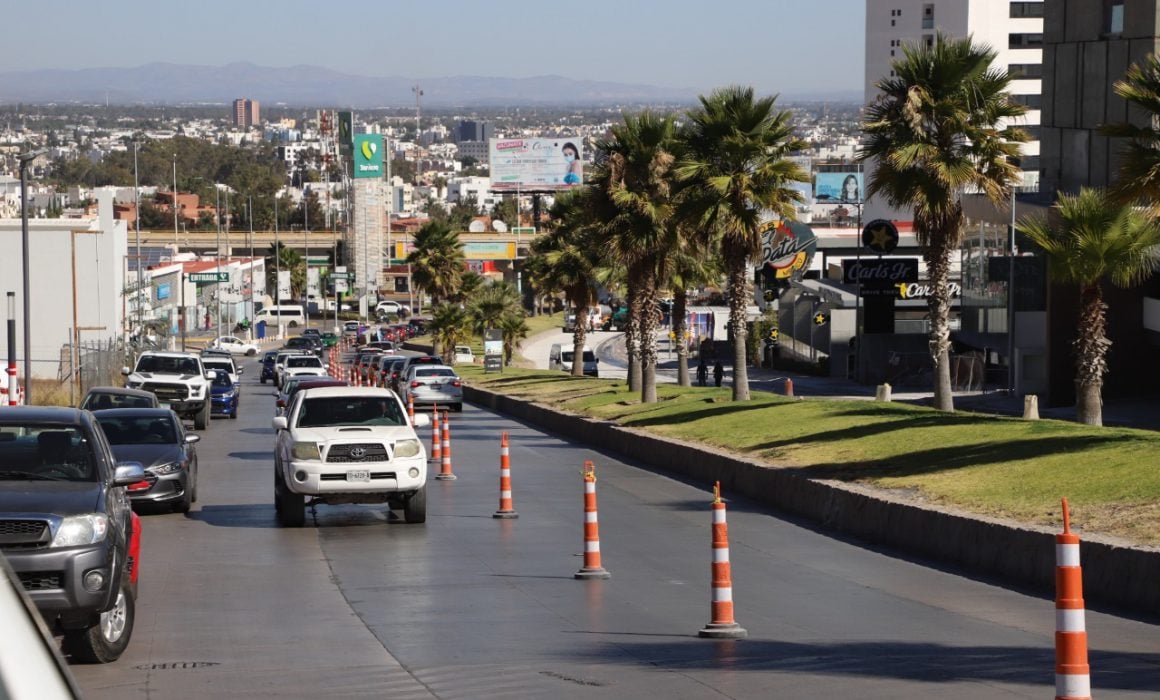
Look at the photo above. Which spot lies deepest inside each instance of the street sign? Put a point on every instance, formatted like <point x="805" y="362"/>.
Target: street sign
<point x="208" y="277"/>
<point x="880" y="236"/>
<point x="820" y="319"/>
<point x="342" y="276"/>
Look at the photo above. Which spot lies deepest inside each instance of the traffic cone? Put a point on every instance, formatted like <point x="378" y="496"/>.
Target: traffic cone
<point x="721" y="624"/>
<point x="1072" y="674"/>
<point x="445" y="468"/>
<point x="789" y="387"/>
<point x="592" y="567"/>
<point x="411" y="409"/>
<point x="436" y="445"/>
<point x="505" y="482"/>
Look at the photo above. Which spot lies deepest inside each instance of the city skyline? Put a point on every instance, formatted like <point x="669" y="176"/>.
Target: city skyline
<point x="774" y="45"/>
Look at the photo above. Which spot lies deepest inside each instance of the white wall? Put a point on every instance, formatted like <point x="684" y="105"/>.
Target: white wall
<point x="100" y="279"/>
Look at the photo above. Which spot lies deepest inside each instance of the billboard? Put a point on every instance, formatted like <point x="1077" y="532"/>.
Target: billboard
<point x="536" y="164"/>
<point x="345" y="130"/>
<point x="368" y="155"/>
<point x="838" y="187"/>
<point x="787" y="248"/>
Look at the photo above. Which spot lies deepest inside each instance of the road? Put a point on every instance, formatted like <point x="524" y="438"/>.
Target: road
<point x="467" y="606"/>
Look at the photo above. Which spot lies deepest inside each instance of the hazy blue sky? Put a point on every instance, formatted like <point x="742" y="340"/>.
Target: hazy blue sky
<point x="775" y="45"/>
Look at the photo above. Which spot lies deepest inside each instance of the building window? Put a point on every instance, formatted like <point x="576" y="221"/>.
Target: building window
<point x="1025" y="41"/>
<point x="928" y="16"/>
<point x="1028" y="101"/>
<point x="1026" y="9"/>
<point x="928" y="39"/>
<point x="891" y="23"/>
<point x="1114" y="14"/>
<point x="892" y="52"/>
<point x="1024" y="71"/>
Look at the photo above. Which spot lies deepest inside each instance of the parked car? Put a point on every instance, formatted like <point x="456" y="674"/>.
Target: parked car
<point x="102" y="397"/>
<point x="348" y="445"/>
<point x="69" y="531"/>
<point x="464" y="355"/>
<point x="560" y="357"/>
<point x="428" y="385"/>
<point x="37" y="671"/>
<point x="226" y="396"/>
<point x="155" y="438"/>
<point x="268" y="366"/>
<point x="389" y="308"/>
<point x="235" y="345"/>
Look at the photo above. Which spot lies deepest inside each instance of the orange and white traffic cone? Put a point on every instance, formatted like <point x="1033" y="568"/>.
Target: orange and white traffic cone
<point x="505" y="482"/>
<point x="1072" y="674"/>
<point x="445" y="467"/>
<point x="592" y="567"/>
<point x="436" y="439"/>
<point x="721" y="624"/>
<point x="411" y="409"/>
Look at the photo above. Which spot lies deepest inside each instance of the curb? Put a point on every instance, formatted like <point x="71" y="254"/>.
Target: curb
<point x="1115" y="574"/>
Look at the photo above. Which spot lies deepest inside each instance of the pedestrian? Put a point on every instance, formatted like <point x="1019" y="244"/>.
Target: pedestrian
<point x="702" y="373"/>
<point x="718" y="373"/>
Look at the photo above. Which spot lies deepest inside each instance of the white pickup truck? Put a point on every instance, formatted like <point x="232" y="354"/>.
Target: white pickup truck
<point x="178" y="379"/>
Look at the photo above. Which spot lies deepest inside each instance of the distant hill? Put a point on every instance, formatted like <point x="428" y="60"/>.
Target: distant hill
<point x="312" y="85"/>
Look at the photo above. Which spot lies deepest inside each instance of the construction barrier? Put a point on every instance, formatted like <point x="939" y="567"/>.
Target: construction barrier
<point x="506" y="510"/>
<point x="436" y="438"/>
<point x="445" y="473"/>
<point x="592" y="567"/>
<point x="1072" y="674"/>
<point x="721" y="624"/>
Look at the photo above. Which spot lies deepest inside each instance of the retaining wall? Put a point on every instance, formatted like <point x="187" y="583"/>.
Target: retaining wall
<point x="1116" y="575"/>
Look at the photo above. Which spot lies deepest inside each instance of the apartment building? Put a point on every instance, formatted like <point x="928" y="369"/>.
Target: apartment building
<point x="1013" y="29"/>
<point x="246" y="113"/>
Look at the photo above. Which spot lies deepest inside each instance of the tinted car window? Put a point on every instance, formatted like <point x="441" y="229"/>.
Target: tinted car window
<point x="167" y="365"/>
<point x="139" y="430"/>
<point x="434" y="372"/>
<point x="303" y="362"/>
<point x="45" y="452"/>
<point x="349" y="410"/>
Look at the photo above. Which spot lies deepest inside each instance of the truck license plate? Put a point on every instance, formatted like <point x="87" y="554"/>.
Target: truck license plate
<point x="361" y="475"/>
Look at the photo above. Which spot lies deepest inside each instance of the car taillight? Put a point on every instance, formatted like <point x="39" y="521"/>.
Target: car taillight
<point x="414" y="384"/>
<point x="455" y="383"/>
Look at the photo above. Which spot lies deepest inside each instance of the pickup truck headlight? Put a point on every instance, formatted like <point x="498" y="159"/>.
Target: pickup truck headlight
<point x="406" y="448"/>
<point x="81" y="529"/>
<point x="163" y="469"/>
<point x="305" y="451"/>
<point x="133" y="384"/>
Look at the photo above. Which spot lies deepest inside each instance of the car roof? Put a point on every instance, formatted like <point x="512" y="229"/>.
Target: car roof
<point x="303" y="384"/>
<point x="168" y="353"/>
<point x="134" y="413"/>
<point x="341" y="391"/>
<point x="119" y="391"/>
<point x="42" y="414"/>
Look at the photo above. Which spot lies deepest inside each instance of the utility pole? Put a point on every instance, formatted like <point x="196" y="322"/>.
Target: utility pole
<point x="277" y="263"/>
<point x="176" y="233"/>
<point x="250" y="216"/>
<point x="418" y="156"/>
<point x="218" y="219"/>
<point x="137" y="228"/>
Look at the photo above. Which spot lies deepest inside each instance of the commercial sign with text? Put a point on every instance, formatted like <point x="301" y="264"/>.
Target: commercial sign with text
<point x="536" y="164"/>
<point x="368" y="155"/>
<point x="879" y="276"/>
<point x="788" y="248"/>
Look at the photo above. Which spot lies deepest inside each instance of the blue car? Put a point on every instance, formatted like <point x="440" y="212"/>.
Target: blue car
<point x="268" y="366"/>
<point x="224" y="396"/>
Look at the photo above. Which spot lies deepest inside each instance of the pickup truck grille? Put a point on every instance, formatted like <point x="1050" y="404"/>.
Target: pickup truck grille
<point x="41" y="580"/>
<point x="167" y="392"/>
<point x="358" y="452"/>
<point x="24" y="534"/>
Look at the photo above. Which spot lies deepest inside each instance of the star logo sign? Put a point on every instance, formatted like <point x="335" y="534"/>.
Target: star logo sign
<point x="880" y="237"/>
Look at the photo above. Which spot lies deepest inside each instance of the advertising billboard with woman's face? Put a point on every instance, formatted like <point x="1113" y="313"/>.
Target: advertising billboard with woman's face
<point x="838" y="187"/>
<point x="536" y="164"/>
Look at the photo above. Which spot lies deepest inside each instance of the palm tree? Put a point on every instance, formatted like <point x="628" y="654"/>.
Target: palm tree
<point x="437" y="261"/>
<point x="691" y="264"/>
<point x="450" y="325"/>
<point x="635" y="188"/>
<point x="1088" y="237"/>
<point x="1140" y="169"/>
<point x="514" y="328"/>
<point x="288" y="259"/>
<point x="491" y="303"/>
<point x="935" y="132"/>
<point x="569" y="259"/>
<point x="734" y="169"/>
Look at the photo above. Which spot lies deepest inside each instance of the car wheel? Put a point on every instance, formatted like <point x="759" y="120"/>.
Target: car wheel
<point x="251" y="352"/>
<point x="415" y="509"/>
<point x="234" y="414"/>
<point x="290" y="506"/>
<point x="193" y="487"/>
<point x="201" y="420"/>
<point x="458" y="408"/>
<point x="293" y="324"/>
<point x="106" y="640"/>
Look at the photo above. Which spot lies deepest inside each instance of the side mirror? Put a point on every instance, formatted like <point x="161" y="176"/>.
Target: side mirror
<point x="190" y="439"/>
<point x="211" y="376"/>
<point x="279" y="423"/>
<point x="422" y="420"/>
<point x="128" y="473"/>
<point x="125" y="371"/>
<point x="241" y="370"/>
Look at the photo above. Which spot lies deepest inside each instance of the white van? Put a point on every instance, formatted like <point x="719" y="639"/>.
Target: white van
<point x="292" y="315"/>
<point x="560" y="357"/>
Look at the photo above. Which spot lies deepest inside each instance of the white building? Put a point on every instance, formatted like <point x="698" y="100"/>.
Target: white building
<point x="98" y="246"/>
<point x="1013" y="29"/>
<point x="460" y="188"/>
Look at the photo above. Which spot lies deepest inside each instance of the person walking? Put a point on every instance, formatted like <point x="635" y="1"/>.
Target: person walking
<point x="718" y="373"/>
<point x="702" y="373"/>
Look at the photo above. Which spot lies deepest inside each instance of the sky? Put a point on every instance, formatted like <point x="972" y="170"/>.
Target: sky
<point x="788" y="46"/>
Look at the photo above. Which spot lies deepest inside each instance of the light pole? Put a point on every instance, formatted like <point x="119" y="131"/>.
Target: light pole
<point x="218" y="218"/>
<point x="137" y="229"/>
<point x="250" y="216"/>
<point x="306" y="250"/>
<point x="25" y="159"/>
<point x="277" y="263"/>
<point x="176" y="233"/>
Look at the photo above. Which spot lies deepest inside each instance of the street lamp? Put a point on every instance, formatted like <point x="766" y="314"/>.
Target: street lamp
<point x="25" y="159"/>
<point x="137" y="228"/>
<point x="176" y="233"/>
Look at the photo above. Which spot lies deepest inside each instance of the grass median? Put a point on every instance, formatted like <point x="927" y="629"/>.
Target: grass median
<point x="994" y="466"/>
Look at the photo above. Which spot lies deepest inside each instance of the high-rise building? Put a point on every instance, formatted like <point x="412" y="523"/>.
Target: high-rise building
<point x="1013" y="29"/>
<point x="471" y="130"/>
<point x="246" y="113"/>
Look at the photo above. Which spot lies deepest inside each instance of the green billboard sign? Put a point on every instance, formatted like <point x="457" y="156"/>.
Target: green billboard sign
<point x="368" y="155"/>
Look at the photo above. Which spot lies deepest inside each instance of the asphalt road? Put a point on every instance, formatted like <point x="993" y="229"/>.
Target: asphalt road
<point x="467" y="606"/>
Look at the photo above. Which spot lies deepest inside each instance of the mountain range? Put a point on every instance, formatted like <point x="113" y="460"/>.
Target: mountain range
<point x="169" y="83"/>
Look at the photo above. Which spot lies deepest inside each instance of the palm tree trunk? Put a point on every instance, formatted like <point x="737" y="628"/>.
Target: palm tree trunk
<point x="579" y="337"/>
<point x="679" y="324"/>
<point x="738" y="287"/>
<point x="647" y="299"/>
<point x="632" y="340"/>
<point x="1091" y="348"/>
<point x="937" y="256"/>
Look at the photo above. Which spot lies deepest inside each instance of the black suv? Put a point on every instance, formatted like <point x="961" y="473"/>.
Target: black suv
<point x="305" y="344"/>
<point x="66" y="526"/>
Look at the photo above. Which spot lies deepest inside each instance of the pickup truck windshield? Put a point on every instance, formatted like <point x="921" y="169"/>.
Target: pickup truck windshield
<point x="40" y="452"/>
<point x="303" y="362"/>
<point x="338" y="411"/>
<point x="159" y="364"/>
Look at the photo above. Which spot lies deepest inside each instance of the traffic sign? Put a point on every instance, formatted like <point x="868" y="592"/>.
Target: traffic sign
<point x="208" y="277"/>
<point x="342" y="276"/>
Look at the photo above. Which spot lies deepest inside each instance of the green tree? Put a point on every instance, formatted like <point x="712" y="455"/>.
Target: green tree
<point x="1089" y="237"/>
<point x="462" y="212"/>
<point x="1140" y="169"/>
<point x="278" y="255"/>
<point x="450" y="325"/>
<point x="491" y="303"/>
<point x="514" y="328"/>
<point x="934" y="133"/>
<point x="437" y="261"/>
<point x="734" y="168"/>
<point x="691" y="264"/>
